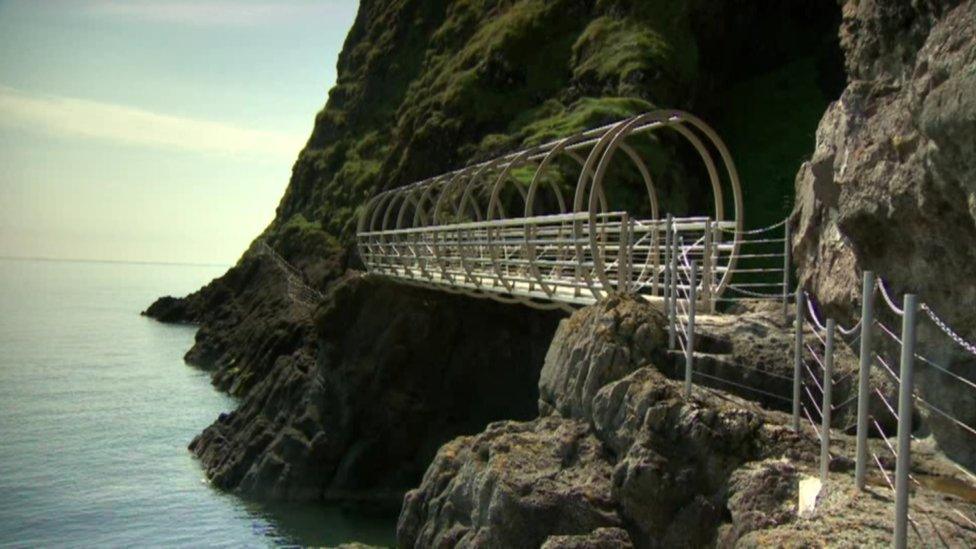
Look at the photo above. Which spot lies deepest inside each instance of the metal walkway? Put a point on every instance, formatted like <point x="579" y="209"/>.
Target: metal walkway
<point x="504" y="229"/>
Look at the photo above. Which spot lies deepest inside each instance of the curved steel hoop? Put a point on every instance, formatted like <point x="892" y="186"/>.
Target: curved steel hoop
<point x="463" y="230"/>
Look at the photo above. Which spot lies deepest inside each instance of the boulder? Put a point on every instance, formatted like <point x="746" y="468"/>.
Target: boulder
<point x="515" y="485"/>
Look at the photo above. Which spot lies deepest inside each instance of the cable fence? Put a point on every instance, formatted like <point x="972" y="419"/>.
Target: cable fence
<point x="884" y="400"/>
<point x="896" y="398"/>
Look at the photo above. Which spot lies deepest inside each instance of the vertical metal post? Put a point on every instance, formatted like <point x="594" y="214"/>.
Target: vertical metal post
<point x="707" y="269"/>
<point x="864" y="379"/>
<point x="905" y="390"/>
<point x="656" y="250"/>
<point x="667" y="264"/>
<point x="630" y="254"/>
<point x="690" y="335"/>
<point x="786" y="271"/>
<point x="828" y="385"/>
<point x="797" y="358"/>
<point x="623" y="252"/>
<point x="673" y="302"/>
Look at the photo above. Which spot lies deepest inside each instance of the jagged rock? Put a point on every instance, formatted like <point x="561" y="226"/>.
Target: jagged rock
<point x="246" y="327"/>
<point x="673" y="454"/>
<point x="763" y="500"/>
<point x="761" y="495"/>
<point x="397" y="371"/>
<point x="678" y="471"/>
<point x="595" y="346"/>
<point x="601" y="538"/>
<point x="751" y="353"/>
<point x="514" y="485"/>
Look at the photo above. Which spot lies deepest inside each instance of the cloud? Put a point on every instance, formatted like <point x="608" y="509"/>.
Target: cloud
<point x="221" y="12"/>
<point x="66" y="116"/>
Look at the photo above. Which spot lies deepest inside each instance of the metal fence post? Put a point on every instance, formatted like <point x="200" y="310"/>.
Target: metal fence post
<point x="673" y="311"/>
<point x="706" y="275"/>
<point x="905" y="390"/>
<point x="690" y="336"/>
<point x="797" y="358"/>
<point x="623" y="253"/>
<point x="665" y="291"/>
<point x="828" y="383"/>
<point x="786" y="271"/>
<point x="864" y="379"/>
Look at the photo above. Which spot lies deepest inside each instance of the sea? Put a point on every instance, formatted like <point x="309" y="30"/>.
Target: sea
<point x="97" y="408"/>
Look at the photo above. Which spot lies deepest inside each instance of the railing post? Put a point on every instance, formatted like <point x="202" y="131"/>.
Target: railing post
<point x="828" y="384"/>
<point x="786" y="271"/>
<point x="864" y="379"/>
<point x="707" y="268"/>
<point x="623" y="252"/>
<point x="797" y="358"/>
<point x="690" y="335"/>
<point x="673" y="302"/>
<point x="665" y="291"/>
<point x="905" y="391"/>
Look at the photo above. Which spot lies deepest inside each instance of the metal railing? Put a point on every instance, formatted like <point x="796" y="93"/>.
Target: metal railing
<point x="507" y="229"/>
<point x="874" y="355"/>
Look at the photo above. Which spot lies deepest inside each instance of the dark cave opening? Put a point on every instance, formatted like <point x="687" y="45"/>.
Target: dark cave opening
<point x="774" y="68"/>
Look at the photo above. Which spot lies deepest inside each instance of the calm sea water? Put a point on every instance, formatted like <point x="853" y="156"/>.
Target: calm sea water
<point x="96" y="410"/>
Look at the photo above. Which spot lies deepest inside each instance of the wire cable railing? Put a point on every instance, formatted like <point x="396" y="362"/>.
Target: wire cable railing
<point x="812" y="359"/>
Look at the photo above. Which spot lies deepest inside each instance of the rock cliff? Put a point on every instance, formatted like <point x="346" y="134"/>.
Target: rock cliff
<point x="620" y="457"/>
<point x="396" y="372"/>
<point x="891" y="186"/>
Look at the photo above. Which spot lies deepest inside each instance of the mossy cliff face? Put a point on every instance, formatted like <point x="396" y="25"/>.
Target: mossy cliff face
<point x="425" y="86"/>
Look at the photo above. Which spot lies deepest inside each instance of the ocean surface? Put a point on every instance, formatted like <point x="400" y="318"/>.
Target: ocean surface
<point x="96" y="411"/>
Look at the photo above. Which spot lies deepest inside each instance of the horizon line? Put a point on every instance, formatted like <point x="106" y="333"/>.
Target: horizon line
<point x="122" y="261"/>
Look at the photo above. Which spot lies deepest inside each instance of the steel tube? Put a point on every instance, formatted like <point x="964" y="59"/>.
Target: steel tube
<point x="797" y="358"/>
<point x="828" y="384"/>
<point x="786" y="272"/>
<point x="905" y="390"/>
<point x="673" y="312"/>
<point x="690" y="335"/>
<point x="668" y="236"/>
<point x="864" y="380"/>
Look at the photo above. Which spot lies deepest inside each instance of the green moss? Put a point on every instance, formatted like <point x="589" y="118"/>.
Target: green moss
<point x="614" y="49"/>
<point x="427" y="86"/>
<point x="553" y="120"/>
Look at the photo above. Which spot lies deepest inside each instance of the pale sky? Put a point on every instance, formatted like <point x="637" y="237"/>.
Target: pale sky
<point x="155" y="130"/>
